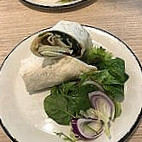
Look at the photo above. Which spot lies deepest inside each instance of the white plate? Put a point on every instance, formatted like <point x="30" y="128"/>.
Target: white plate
<point x="23" y="117"/>
<point x="50" y="4"/>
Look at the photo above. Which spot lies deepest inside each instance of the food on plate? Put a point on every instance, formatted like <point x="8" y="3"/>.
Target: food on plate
<point x="65" y="38"/>
<point x="55" y="50"/>
<point x="87" y="128"/>
<point x="87" y="82"/>
<point x="39" y="73"/>
<point x="95" y="95"/>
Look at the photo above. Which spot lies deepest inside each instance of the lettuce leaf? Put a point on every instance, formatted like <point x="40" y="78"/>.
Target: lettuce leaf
<point x="97" y="57"/>
<point x="103" y="59"/>
<point x="111" y="74"/>
<point x="102" y="77"/>
<point x="113" y="88"/>
<point x="66" y="101"/>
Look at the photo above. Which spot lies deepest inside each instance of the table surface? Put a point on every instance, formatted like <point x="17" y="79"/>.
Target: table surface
<point x="120" y="17"/>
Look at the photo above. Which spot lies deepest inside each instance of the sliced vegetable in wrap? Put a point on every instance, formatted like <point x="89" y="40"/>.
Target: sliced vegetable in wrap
<point x="65" y="38"/>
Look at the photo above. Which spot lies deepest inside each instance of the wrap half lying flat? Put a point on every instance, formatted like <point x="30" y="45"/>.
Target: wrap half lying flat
<point x="39" y="73"/>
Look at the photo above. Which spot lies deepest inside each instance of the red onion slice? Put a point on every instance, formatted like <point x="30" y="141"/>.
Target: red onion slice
<point x="102" y="103"/>
<point x="87" y="128"/>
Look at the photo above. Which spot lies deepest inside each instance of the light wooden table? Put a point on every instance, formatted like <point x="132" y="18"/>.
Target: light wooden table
<point x="120" y="17"/>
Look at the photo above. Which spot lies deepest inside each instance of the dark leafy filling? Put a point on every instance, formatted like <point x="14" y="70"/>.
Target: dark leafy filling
<point x="66" y="39"/>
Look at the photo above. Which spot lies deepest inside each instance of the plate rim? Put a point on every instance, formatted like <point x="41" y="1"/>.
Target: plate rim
<point x="56" y="7"/>
<point x="139" y="117"/>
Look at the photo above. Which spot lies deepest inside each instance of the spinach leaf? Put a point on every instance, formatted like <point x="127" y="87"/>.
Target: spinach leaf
<point x="56" y="108"/>
<point x="79" y="100"/>
<point x="66" y="101"/>
<point x="115" y="92"/>
<point x="116" y="68"/>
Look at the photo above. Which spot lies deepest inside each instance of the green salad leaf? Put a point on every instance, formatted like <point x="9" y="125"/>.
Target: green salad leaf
<point x="103" y="60"/>
<point x="115" y="92"/>
<point x="111" y="74"/>
<point x="66" y="101"/>
<point x="56" y="108"/>
<point x="113" y="87"/>
<point x="116" y="68"/>
<point x="96" y="56"/>
<point x="118" y="109"/>
<point x="102" y="77"/>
